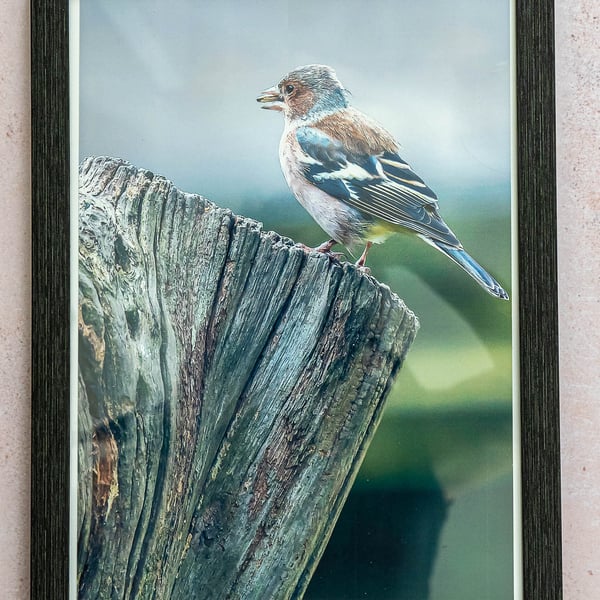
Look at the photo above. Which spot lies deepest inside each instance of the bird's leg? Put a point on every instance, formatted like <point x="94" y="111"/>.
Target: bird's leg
<point x="363" y="257"/>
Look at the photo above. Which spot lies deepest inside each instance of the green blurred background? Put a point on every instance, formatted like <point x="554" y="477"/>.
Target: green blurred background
<point x="171" y="87"/>
<point x="430" y="514"/>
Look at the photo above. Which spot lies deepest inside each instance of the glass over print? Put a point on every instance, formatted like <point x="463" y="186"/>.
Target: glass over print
<point x="185" y="307"/>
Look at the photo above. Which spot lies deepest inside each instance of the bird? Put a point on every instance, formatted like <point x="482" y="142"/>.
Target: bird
<point x="344" y="169"/>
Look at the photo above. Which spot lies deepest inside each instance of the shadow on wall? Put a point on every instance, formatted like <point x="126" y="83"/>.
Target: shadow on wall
<point x="383" y="547"/>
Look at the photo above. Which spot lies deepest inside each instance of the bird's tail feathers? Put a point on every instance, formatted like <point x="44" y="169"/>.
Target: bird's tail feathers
<point x="471" y="266"/>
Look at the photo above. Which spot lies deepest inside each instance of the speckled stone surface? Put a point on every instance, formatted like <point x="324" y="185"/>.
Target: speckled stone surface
<point x="15" y="293"/>
<point x="578" y="176"/>
<point x="578" y="121"/>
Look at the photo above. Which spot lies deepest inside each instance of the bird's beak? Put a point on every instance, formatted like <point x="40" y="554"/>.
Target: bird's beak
<point x="271" y="99"/>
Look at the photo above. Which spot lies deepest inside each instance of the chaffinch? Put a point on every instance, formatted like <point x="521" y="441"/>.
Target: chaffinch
<point x="344" y="169"/>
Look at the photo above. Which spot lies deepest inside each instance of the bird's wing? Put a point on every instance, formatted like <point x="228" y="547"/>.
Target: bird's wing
<point x="380" y="184"/>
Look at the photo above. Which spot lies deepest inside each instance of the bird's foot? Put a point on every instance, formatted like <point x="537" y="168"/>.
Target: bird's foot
<point x="325" y="248"/>
<point x="335" y="256"/>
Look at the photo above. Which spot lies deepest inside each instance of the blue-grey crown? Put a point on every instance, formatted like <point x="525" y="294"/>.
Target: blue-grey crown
<point x="331" y="94"/>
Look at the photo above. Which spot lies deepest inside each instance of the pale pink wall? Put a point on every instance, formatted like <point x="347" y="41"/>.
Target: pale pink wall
<point x="578" y="176"/>
<point x="15" y="292"/>
<point x="578" y="102"/>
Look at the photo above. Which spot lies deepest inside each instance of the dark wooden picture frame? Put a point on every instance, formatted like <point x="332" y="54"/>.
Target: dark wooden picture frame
<point x="539" y="413"/>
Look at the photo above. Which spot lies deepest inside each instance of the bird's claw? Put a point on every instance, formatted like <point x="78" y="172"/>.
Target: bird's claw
<point x="362" y="268"/>
<point x="324" y="248"/>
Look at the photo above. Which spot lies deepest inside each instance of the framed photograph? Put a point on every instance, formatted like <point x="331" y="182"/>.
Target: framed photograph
<point x="302" y="352"/>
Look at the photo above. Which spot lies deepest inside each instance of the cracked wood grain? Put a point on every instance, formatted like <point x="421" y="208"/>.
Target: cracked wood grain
<point x="229" y="385"/>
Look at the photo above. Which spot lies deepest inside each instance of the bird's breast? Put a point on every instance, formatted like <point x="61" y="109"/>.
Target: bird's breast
<point x="340" y="221"/>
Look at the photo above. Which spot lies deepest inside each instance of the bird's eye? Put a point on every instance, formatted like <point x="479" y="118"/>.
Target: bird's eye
<point x="289" y="88"/>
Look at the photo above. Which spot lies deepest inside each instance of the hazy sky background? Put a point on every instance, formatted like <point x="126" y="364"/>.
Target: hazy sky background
<point x="171" y="86"/>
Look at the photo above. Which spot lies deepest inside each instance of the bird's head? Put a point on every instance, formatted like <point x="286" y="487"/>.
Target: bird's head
<point x="306" y="91"/>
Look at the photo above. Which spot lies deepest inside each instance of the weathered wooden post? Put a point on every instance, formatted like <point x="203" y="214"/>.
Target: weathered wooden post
<point x="230" y="384"/>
